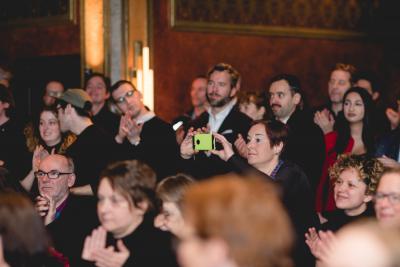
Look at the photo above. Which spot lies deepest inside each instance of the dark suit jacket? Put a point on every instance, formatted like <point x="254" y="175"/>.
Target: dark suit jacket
<point x="201" y="166"/>
<point x="305" y="146"/>
<point x="389" y="145"/>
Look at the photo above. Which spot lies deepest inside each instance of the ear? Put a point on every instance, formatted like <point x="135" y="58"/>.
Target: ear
<point x="234" y="91"/>
<point x="368" y="198"/>
<point x="278" y="148"/>
<point x="71" y="179"/>
<point x="143" y="206"/>
<point x="296" y="98"/>
<point x="375" y="96"/>
<point x="6" y="104"/>
<point x="261" y="111"/>
<point x="68" y="109"/>
<point x="108" y="95"/>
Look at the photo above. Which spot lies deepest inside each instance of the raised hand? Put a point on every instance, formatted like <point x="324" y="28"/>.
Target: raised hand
<point x="393" y="117"/>
<point x="96" y="241"/>
<point x="313" y="241"/>
<point x="227" y="150"/>
<point x="388" y="162"/>
<point x="241" y="146"/>
<point x="108" y="257"/>
<point x="186" y="147"/>
<point x="325" y="120"/>
<point x="38" y="155"/>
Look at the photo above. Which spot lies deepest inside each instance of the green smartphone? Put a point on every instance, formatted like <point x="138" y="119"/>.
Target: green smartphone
<point x="203" y="141"/>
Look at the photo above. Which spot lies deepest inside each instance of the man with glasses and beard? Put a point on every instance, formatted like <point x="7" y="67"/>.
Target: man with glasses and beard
<point x="223" y="116"/>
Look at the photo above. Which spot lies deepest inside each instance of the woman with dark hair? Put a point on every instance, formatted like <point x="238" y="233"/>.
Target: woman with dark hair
<point x="354" y="135"/>
<point x="23" y="235"/>
<point x="266" y="141"/>
<point x="126" y="200"/>
<point x="43" y="137"/>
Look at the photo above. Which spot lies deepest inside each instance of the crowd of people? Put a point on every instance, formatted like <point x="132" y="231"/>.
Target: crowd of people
<point x="95" y="178"/>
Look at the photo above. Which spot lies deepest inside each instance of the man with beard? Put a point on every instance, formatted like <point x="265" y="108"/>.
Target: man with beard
<point x="142" y="135"/>
<point x="305" y="145"/>
<point x="223" y="116"/>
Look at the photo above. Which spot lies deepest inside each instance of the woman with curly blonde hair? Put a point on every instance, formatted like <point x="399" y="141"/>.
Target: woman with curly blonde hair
<point x="43" y="137"/>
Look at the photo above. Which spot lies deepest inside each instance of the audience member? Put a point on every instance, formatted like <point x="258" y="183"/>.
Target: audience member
<point x="5" y="76"/>
<point x="198" y="99"/>
<point x="12" y="142"/>
<point x="340" y="81"/>
<point x="53" y="90"/>
<point x="355" y="136"/>
<point x="126" y="199"/>
<point x="266" y="141"/>
<point x="142" y="135"/>
<point x="43" y="137"/>
<point x="93" y="149"/>
<point x="305" y="145"/>
<point x="253" y="105"/>
<point x="170" y="193"/>
<point x="223" y="116"/>
<point x="23" y="238"/>
<point x="387" y="199"/>
<point x="68" y="218"/>
<point x="364" y="243"/>
<point x="234" y="221"/>
<point x="98" y="88"/>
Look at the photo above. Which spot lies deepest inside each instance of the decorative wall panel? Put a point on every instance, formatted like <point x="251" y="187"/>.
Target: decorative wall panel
<point x="45" y="12"/>
<point x="334" y="19"/>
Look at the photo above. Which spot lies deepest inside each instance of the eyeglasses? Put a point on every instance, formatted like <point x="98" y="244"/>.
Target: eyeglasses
<point x="53" y="174"/>
<point x="122" y="99"/>
<point x="393" y="198"/>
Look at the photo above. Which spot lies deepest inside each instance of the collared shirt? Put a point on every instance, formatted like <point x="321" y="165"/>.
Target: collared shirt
<point x="215" y="121"/>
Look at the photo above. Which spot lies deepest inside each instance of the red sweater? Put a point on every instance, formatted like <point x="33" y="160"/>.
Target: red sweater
<point x="325" y="186"/>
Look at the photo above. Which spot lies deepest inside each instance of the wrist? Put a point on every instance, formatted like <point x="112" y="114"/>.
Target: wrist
<point x="134" y="141"/>
<point x="119" y="139"/>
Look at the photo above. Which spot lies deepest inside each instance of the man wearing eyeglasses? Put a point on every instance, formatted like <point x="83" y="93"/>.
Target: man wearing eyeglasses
<point x="387" y="199"/>
<point x="68" y="218"/>
<point x="142" y="135"/>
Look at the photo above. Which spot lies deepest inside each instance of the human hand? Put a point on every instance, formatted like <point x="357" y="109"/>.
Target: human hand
<point x="108" y="257"/>
<point x="95" y="241"/>
<point x="388" y="162"/>
<point x="241" y="146"/>
<point x="46" y="207"/>
<point x="393" y="117"/>
<point x="325" y="120"/>
<point x="327" y="245"/>
<point x="38" y="155"/>
<point x="313" y="241"/>
<point x="227" y="150"/>
<point x="186" y="147"/>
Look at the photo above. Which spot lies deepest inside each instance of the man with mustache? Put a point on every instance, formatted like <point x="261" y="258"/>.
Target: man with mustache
<point x="223" y="116"/>
<point x="305" y="145"/>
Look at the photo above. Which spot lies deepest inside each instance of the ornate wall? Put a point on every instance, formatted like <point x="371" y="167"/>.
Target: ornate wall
<point x="261" y="45"/>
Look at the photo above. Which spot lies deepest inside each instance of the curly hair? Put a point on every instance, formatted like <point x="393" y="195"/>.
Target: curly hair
<point x="32" y="134"/>
<point x="369" y="169"/>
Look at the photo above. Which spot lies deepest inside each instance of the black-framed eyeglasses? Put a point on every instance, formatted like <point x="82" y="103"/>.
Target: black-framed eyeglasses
<point x="53" y="174"/>
<point x="122" y="99"/>
<point x="393" y="198"/>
